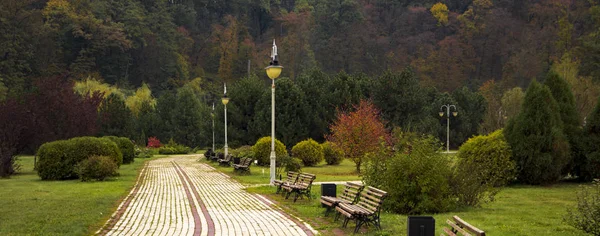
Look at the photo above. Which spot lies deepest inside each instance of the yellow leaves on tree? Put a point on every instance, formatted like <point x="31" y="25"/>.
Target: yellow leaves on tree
<point x="440" y="12"/>
<point x="142" y="95"/>
<point x="90" y="86"/>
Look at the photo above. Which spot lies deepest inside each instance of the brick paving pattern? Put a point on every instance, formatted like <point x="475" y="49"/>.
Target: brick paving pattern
<point x="181" y="196"/>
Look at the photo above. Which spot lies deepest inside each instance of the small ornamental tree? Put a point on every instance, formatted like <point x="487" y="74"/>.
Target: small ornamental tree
<point x="153" y="142"/>
<point x="358" y="132"/>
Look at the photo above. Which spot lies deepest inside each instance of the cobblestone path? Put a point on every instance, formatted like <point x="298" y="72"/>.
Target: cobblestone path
<point x="180" y="196"/>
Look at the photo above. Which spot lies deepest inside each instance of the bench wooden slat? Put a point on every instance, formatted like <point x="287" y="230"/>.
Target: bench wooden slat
<point x="468" y="226"/>
<point x="458" y="228"/>
<point x="448" y="232"/>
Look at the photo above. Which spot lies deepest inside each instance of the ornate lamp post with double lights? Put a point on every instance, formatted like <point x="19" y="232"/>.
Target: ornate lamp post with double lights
<point x="225" y="100"/>
<point x="454" y="113"/>
<point x="273" y="71"/>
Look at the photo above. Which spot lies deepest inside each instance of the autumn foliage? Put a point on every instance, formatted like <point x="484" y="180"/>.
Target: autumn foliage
<point x="153" y="142"/>
<point x="358" y="132"/>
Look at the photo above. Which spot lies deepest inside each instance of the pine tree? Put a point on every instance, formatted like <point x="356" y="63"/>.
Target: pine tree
<point x="590" y="164"/>
<point x="540" y="149"/>
<point x="561" y="91"/>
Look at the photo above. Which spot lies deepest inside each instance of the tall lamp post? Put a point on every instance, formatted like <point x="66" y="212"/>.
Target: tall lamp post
<point x="454" y="113"/>
<point x="212" y="114"/>
<point x="225" y="100"/>
<point x="273" y="71"/>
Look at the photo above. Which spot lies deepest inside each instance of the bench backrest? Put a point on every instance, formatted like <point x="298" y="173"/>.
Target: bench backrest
<point x="461" y="226"/>
<point x="372" y="199"/>
<point x="351" y="192"/>
<point x="305" y="180"/>
<point x="246" y="162"/>
<point x="291" y="177"/>
<point x="220" y="155"/>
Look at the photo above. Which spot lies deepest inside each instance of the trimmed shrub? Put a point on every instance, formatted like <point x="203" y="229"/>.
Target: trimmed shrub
<point x="332" y="153"/>
<point x="243" y="152"/>
<point x="173" y="148"/>
<point x="484" y="164"/>
<point x="144" y="153"/>
<point x="57" y="160"/>
<point x="126" y="147"/>
<point x="417" y="182"/>
<point x="262" y="150"/>
<point x="585" y="216"/>
<point x="309" y="151"/>
<point x="96" y="167"/>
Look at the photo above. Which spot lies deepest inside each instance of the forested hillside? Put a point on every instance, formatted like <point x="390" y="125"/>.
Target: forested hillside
<point x="168" y="42"/>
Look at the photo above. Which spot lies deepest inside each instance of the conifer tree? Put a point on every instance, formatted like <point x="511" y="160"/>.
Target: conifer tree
<point x="561" y="92"/>
<point x="540" y="149"/>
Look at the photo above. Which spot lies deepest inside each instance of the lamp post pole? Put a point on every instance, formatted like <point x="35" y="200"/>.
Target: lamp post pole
<point x="447" y="106"/>
<point x="225" y="100"/>
<point x="273" y="71"/>
<point x="213" y="126"/>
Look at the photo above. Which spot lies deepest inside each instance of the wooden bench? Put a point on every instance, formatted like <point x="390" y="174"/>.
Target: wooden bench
<point x="349" y="196"/>
<point x="208" y="154"/>
<point x="461" y="227"/>
<point x="225" y="161"/>
<point x="302" y="186"/>
<point x="217" y="156"/>
<point x="291" y="179"/>
<point x="365" y="211"/>
<point x="244" y="166"/>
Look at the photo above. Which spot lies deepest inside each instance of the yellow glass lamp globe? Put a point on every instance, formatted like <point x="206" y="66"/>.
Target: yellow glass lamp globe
<point x="273" y="71"/>
<point x="225" y="100"/>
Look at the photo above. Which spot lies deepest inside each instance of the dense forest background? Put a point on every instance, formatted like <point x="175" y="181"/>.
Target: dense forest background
<point x="409" y="57"/>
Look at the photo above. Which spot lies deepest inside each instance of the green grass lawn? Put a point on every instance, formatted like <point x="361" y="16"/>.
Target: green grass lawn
<point x="518" y="210"/>
<point x="31" y="206"/>
<point x="260" y="174"/>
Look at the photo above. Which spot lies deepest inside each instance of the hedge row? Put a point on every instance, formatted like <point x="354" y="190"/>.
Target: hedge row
<point x="58" y="160"/>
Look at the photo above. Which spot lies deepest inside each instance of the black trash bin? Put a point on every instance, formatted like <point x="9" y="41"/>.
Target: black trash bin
<point x="328" y="190"/>
<point x="421" y="226"/>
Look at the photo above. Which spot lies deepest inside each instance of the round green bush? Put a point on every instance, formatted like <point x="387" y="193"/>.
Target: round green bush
<point x="332" y="153"/>
<point x="484" y="163"/>
<point x="262" y="150"/>
<point x="57" y="160"/>
<point x="416" y="182"/>
<point x="309" y="151"/>
<point x="96" y="167"/>
<point x="126" y="147"/>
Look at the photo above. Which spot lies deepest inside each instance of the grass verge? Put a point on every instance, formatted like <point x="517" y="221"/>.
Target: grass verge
<point x="346" y="171"/>
<point x="31" y="206"/>
<point x="518" y="210"/>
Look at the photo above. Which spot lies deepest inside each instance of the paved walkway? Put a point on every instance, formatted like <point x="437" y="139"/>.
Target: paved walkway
<point x="180" y="196"/>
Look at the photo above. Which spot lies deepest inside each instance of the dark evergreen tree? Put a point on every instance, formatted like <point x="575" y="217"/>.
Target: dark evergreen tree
<point x="291" y="120"/>
<point x="471" y="108"/>
<point x="165" y="106"/>
<point x="561" y="91"/>
<point x="190" y="119"/>
<point x="540" y="149"/>
<point x="115" y="118"/>
<point x="589" y="166"/>
<point x="244" y="95"/>
<point x="403" y="102"/>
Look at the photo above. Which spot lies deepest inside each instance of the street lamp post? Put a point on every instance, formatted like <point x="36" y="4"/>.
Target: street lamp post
<point x="225" y="100"/>
<point x="212" y="114"/>
<point x="273" y="71"/>
<point x="454" y="113"/>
